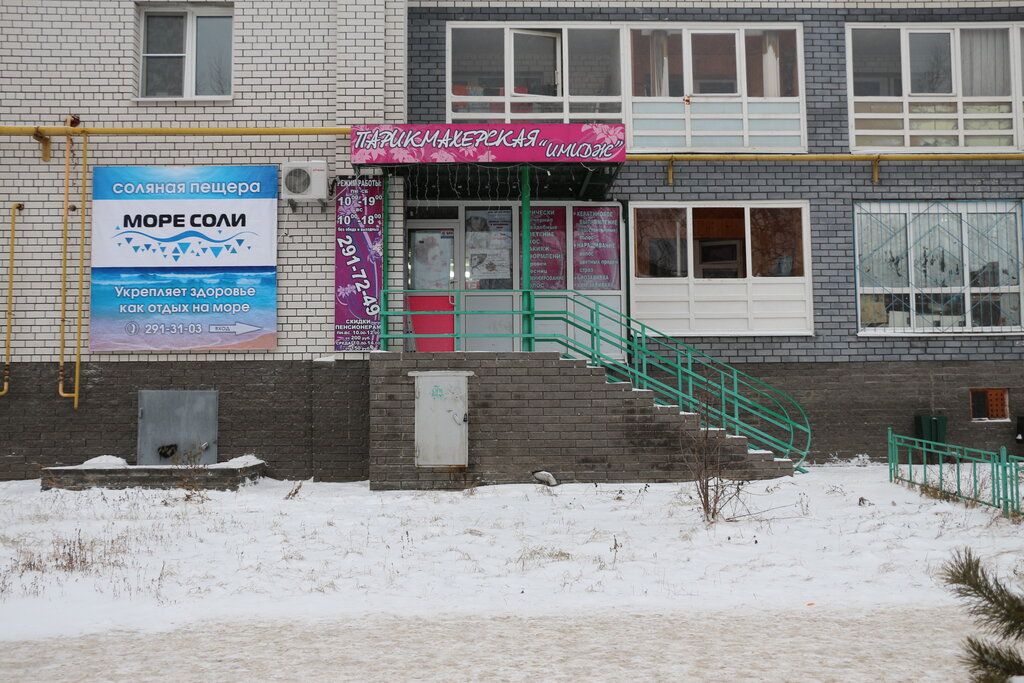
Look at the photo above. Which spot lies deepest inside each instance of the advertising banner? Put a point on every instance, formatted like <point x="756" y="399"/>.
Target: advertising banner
<point x="595" y="248"/>
<point x="358" y="263"/>
<point x="481" y="143"/>
<point x="547" y="247"/>
<point x="184" y="258"/>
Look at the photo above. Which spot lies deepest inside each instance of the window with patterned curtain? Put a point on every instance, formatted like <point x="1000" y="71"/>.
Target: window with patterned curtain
<point x="939" y="267"/>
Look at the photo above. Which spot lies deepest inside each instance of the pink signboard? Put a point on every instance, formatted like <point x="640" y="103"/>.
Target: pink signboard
<point x="547" y="247"/>
<point x="358" y="263"/>
<point x="595" y="247"/>
<point x="501" y="142"/>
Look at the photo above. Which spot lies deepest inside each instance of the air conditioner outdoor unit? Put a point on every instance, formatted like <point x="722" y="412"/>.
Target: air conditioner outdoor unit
<point x="304" y="180"/>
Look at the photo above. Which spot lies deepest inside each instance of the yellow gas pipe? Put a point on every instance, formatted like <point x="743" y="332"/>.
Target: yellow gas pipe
<point x="71" y="122"/>
<point x="15" y="208"/>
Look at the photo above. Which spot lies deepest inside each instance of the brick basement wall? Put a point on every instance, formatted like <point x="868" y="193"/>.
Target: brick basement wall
<point x="304" y="419"/>
<point x="536" y="411"/>
<point x="851" y="405"/>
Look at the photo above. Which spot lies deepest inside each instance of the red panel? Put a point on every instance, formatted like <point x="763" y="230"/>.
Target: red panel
<point x="432" y="324"/>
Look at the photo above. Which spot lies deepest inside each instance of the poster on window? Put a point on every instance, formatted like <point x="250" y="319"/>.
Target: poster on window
<point x="489" y="248"/>
<point x="358" y="263"/>
<point x="595" y="248"/>
<point x="547" y="247"/>
<point x="184" y="258"/>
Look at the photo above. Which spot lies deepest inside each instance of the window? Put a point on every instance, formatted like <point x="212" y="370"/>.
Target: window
<point x="713" y="57"/>
<point x="186" y="52"/>
<point x="933" y="87"/>
<point x="657" y="62"/>
<point x="990" y="404"/>
<point x="709" y="269"/>
<point x="677" y="87"/>
<point x="938" y="267"/>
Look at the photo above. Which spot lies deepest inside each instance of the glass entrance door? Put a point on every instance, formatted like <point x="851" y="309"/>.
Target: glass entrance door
<point x="487" y="242"/>
<point x="481" y="242"/>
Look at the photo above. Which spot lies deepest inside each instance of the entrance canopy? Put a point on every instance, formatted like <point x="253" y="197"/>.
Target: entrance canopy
<point x="485" y="161"/>
<point x="500" y="182"/>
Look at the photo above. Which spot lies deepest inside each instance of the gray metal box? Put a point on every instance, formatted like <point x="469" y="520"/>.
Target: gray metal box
<point x="175" y="422"/>
<point x="442" y="418"/>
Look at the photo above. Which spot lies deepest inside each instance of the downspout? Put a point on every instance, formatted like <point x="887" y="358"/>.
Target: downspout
<point x="81" y="272"/>
<point x="15" y="208"/>
<point x="528" y="303"/>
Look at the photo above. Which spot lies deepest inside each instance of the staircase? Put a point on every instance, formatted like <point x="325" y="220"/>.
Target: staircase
<point x="741" y="412"/>
<point x="540" y="410"/>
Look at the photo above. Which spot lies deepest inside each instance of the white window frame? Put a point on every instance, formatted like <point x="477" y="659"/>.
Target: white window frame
<point x="1015" y="99"/>
<point x="191" y="13"/>
<point x="757" y="289"/>
<point x="966" y="290"/>
<point x="683" y="114"/>
<point x="560" y="59"/>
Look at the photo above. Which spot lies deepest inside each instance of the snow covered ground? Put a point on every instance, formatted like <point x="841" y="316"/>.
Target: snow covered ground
<point x="824" y="576"/>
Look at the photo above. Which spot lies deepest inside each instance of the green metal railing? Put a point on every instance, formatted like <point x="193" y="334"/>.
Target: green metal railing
<point x="582" y="327"/>
<point x="984" y="477"/>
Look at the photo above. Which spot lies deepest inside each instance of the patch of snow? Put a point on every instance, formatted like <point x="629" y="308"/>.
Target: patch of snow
<point x="239" y="462"/>
<point x="802" y="583"/>
<point x="100" y="463"/>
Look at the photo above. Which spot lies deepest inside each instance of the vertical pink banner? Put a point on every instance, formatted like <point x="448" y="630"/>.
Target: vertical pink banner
<point x="547" y="247"/>
<point x="358" y="263"/>
<point x="595" y="248"/>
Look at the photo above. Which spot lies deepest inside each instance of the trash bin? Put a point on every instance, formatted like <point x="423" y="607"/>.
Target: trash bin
<point x="931" y="427"/>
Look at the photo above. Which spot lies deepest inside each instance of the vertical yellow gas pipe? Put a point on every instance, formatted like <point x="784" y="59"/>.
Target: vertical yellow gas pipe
<point x="15" y="208"/>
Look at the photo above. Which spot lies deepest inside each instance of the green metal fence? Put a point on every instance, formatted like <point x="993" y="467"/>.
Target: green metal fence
<point x="984" y="477"/>
<point x="582" y="327"/>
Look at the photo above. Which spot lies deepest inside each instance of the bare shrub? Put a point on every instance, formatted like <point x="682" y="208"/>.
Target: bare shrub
<point x="187" y="467"/>
<point x="709" y="466"/>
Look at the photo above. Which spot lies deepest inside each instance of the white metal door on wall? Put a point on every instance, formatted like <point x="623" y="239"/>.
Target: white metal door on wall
<point x="442" y="418"/>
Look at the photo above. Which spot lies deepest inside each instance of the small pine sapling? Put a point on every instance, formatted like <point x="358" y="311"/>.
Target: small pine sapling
<point x="997" y="609"/>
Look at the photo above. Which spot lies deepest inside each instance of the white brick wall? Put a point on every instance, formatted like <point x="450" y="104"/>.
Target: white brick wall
<point x="297" y="63"/>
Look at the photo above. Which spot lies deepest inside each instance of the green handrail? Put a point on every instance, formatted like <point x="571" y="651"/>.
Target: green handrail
<point x="985" y="477"/>
<point x="630" y="350"/>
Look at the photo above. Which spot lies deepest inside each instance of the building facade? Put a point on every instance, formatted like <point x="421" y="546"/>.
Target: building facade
<point x="870" y="293"/>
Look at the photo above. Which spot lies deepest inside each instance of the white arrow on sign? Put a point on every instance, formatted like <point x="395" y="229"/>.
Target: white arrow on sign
<point x="237" y="328"/>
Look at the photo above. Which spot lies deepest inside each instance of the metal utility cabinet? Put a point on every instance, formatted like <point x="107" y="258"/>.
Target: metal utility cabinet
<point x="177" y="427"/>
<point x="442" y="418"/>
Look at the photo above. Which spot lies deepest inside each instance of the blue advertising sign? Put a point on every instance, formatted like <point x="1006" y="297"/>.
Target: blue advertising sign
<point x="184" y="258"/>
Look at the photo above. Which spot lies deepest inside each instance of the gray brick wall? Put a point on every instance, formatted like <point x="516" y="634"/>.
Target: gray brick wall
<point x="830" y="188"/>
<point x="304" y="419"/>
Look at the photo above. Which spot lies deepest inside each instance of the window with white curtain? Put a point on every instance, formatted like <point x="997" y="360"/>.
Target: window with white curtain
<point x="717" y="87"/>
<point x="939" y="267"/>
<point x="932" y="87"/>
<point x="985" y="62"/>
